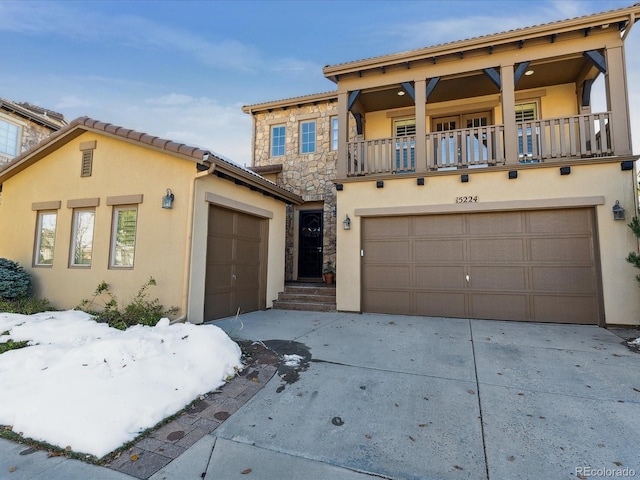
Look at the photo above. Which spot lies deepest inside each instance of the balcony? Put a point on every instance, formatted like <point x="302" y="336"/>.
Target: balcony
<point x="538" y="141"/>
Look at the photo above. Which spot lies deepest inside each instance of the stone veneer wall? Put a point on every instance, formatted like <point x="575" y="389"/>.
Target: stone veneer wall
<point x="308" y="175"/>
<point x="32" y="134"/>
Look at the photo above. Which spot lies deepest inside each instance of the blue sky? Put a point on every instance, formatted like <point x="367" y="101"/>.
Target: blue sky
<point x="184" y="69"/>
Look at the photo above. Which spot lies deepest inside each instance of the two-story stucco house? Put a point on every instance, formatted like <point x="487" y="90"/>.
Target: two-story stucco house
<point x="23" y="125"/>
<point x="477" y="179"/>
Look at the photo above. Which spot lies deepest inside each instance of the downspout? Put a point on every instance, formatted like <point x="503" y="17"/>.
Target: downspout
<point x="632" y="21"/>
<point x="184" y="304"/>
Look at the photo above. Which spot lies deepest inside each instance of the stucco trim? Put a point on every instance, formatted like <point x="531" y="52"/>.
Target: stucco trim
<point x="482" y="207"/>
<point x="90" y="145"/>
<point x="52" y="205"/>
<point x="235" y="205"/>
<point x="125" y="199"/>
<point x="83" y="202"/>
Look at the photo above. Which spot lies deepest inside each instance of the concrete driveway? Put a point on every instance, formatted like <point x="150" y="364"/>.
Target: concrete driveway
<point x="433" y="398"/>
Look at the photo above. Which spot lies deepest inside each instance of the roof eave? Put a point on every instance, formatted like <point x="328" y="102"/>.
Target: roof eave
<point x="631" y="14"/>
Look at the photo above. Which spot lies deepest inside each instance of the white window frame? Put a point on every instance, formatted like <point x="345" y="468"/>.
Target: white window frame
<point x="18" y="143"/>
<point x="38" y="250"/>
<point x="335" y="126"/>
<point x="117" y="248"/>
<point x="87" y="237"/>
<point x="272" y="146"/>
<point x="304" y="143"/>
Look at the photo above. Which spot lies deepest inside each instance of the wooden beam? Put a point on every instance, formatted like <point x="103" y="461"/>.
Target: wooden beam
<point x="520" y="69"/>
<point x="410" y="90"/>
<point x="431" y="86"/>
<point x="353" y="96"/>
<point x="493" y="76"/>
<point x="597" y="59"/>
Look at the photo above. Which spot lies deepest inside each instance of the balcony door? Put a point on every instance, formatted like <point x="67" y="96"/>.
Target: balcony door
<point x="460" y="144"/>
<point x="404" y="132"/>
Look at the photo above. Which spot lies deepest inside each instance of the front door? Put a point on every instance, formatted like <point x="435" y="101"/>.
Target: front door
<point x="310" y="244"/>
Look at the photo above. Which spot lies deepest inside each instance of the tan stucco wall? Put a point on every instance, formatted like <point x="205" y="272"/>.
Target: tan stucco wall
<point x="119" y="168"/>
<point x="244" y="200"/>
<point x="537" y="185"/>
<point x="554" y="101"/>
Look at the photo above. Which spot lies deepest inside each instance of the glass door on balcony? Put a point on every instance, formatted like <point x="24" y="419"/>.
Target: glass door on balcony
<point x="476" y="140"/>
<point x="404" y="131"/>
<point x="447" y="149"/>
<point x="528" y="133"/>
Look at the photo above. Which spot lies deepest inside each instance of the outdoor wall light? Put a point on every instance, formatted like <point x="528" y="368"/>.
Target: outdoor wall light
<point x="618" y="211"/>
<point x="167" y="200"/>
<point x="347" y="223"/>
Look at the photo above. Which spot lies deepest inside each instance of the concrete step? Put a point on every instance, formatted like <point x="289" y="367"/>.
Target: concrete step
<point x="306" y="289"/>
<point x="287" y="296"/>
<point x="305" y="306"/>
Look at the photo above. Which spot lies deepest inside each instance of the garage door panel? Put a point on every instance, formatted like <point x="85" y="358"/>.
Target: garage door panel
<point x="564" y="309"/>
<point x="501" y="278"/>
<point x="563" y="279"/>
<point x="218" y="277"/>
<point x="382" y="301"/>
<point x="220" y="221"/>
<point x="557" y="222"/>
<point x="442" y="277"/>
<point x="247" y="250"/>
<point x="440" y="304"/>
<point x="388" y="252"/>
<point x="222" y="245"/>
<point x="387" y="227"/>
<point x="564" y="250"/>
<point x="527" y="265"/>
<point x="248" y="226"/>
<point x="499" y="307"/>
<point x="438" y="250"/>
<point x="496" y="249"/>
<point x="399" y="276"/>
<point x="438" y="225"/>
<point x="490" y="224"/>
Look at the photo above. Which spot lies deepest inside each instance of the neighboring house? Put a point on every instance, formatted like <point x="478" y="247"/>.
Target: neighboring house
<point x="477" y="180"/>
<point x="23" y="126"/>
<point x="88" y="205"/>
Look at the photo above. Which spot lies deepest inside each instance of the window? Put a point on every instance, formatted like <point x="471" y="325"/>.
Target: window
<point x="405" y="149"/>
<point x="9" y="135"/>
<point x="45" y="238"/>
<point x="123" y="236"/>
<point x="334" y="133"/>
<point x="277" y="140"/>
<point x="82" y="239"/>
<point x="528" y="148"/>
<point x="308" y="137"/>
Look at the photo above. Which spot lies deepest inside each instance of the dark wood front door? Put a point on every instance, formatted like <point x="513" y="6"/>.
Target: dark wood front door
<point x="310" y="244"/>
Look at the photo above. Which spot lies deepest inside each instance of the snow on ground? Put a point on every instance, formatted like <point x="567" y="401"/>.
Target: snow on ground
<point x="91" y="387"/>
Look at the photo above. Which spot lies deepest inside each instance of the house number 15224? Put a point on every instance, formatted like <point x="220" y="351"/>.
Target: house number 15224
<point x="473" y="199"/>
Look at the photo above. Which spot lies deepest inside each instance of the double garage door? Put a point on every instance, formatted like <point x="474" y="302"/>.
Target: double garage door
<point x="236" y="262"/>
<point x="528" y="265"/>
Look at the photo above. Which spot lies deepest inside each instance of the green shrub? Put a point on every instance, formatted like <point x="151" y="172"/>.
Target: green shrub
<point x="15" y="281"/>
<point x="25" y="305"/>
<point x="141" y="310"/>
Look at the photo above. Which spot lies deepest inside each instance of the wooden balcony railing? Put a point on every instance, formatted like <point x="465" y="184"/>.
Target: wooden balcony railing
<point x="555" y="139"/>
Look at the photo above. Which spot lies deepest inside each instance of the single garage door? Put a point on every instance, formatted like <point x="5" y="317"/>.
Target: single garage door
<point x="528" y="265"/>
<point x="236" y="263"/>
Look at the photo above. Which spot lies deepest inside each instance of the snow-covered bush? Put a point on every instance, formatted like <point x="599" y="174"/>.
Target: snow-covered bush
<point x="15" y="281"/>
